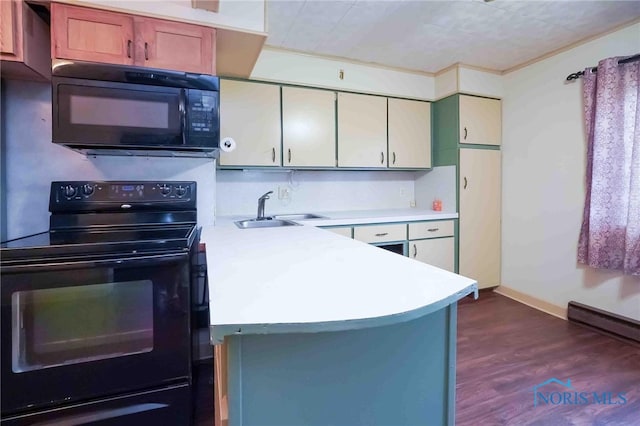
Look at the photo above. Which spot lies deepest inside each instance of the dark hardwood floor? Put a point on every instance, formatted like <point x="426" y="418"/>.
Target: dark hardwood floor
<point x="505" y="349"/>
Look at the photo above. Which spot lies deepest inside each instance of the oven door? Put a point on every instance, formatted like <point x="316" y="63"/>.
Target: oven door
<point x="88" y="113"/>
<point x="74" y="331"/>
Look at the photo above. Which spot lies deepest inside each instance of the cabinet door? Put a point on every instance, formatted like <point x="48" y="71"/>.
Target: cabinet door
<point x="174" y="46"/>
<point x="480" y="120"/>
<point x="362" y="130"/>
<point x="409" y="134"/>
<point x="10" y="30"/>
<point x="480" y="204"/>
<point x="250" y="114"/>
<point x="439" y="252"/>
<point x="309" y="127"/>
<point x="91" y="35"/>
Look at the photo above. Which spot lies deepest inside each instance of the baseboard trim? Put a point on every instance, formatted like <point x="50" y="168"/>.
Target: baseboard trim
<point x="534" y="302"/>
<point x="622" y="328"/>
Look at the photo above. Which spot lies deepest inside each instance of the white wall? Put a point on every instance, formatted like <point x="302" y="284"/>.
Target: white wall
<point x="33" y="162"/>
<point x="298" y="68"/>
<point x="440" y="183"/>
<point x="313" y="191"/>
<point x="544" y="156"/>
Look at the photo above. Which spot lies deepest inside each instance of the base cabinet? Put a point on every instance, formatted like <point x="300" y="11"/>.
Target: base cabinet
<point x="432" y="242"/>
<point x="439" y="252"/>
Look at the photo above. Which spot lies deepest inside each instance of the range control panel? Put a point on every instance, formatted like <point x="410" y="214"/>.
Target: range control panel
<point x="120" y="195"/>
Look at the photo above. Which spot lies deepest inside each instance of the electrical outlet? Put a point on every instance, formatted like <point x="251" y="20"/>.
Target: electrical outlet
<point x="284" y="193"/>
<point x="412" y="203"/>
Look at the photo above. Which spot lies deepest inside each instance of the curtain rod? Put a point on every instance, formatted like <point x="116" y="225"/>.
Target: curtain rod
<point x="577" y="75"/>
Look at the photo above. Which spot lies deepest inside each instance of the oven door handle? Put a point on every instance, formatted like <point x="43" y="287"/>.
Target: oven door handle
<point x="135" y="261"/>
<point x="101" y="415"/>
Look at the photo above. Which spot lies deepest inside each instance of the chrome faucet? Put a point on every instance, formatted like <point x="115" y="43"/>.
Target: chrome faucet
<point x="261" y="202"/>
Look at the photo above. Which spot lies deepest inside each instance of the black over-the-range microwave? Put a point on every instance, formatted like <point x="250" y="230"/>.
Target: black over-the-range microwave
<point x="124" y="110"/>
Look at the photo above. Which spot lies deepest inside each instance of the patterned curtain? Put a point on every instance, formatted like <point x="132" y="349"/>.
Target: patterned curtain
<point x="610" y="234"/>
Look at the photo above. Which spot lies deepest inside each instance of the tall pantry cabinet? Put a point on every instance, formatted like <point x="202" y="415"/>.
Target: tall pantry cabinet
<point x="467" y="134"/>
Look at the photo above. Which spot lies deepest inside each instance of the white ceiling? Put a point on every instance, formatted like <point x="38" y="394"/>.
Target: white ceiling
<point x="432" y="35"/>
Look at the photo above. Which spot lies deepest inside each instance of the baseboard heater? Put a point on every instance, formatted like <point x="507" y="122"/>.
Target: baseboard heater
<point x="605" y="322"/>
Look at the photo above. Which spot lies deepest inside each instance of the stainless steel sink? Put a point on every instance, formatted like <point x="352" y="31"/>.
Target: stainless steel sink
<point x="299" y="216"/>
<point x="264" y="223"/>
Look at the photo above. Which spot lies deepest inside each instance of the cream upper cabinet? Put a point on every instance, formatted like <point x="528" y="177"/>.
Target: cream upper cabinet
<point x="439" y="252"/>
<point x="362" y="130"/>
<point x="409" y="134"/>
<point x="309" y="127"/>
<point x="480" y="201"/>
<point x="250" y="115"/>
<point x="480" y="121"/>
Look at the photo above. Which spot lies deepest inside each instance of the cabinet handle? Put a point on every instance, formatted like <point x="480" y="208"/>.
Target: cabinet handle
<point x="432" y="229"/>
<point x="382" y="158"/>
<point x="273" y="155"/>
<point x="382" y="234"/>
<point x="465" y="182"/>
<point x="289" y="154"/>
<point x="129" y="48"/>
<point x="465" y="133"/>
<point x="394" y="158"/>
<point x="146" y="51"/>
<point x="415" y="250"/>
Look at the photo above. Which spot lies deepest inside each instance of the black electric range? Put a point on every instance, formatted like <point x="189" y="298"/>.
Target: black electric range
<point x="96" y="312"/>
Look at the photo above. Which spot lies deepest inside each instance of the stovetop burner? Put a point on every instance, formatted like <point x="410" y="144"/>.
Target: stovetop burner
<point x="161" y="218"/>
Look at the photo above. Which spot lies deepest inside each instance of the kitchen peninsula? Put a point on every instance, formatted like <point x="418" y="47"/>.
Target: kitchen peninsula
<point x="316" y="329"/>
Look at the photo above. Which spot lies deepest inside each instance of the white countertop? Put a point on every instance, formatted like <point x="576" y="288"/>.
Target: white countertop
<point x="363" y="217"/>
<point x="305" y="279"/>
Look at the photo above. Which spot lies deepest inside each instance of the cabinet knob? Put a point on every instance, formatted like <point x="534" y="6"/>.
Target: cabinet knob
<point x="415" y="250"/>
<point x="129" y="48"/>
<point x="465" y="133"/>
<point x="289" y="154"/>
<point x="146" y="51"/>
<point x="382" y="158"/>
<point x="465" y="183"/>
<point x="382" y="234"/>
<point x="394" y="158"/>
<point x="273" y="155"/>
<point x="432" y="229"/>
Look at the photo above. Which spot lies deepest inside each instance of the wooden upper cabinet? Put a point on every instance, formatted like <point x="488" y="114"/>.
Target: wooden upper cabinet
<point x="362" y="130"/>
<point x="91" y="35"/>
<point x="409" y="134"/>
<point x="480" y="120"/>
<point x="174" y="45"/>
<point x="24" y="42"/>
<point x="308" y="123"/>
<point x="10" y="36"/>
